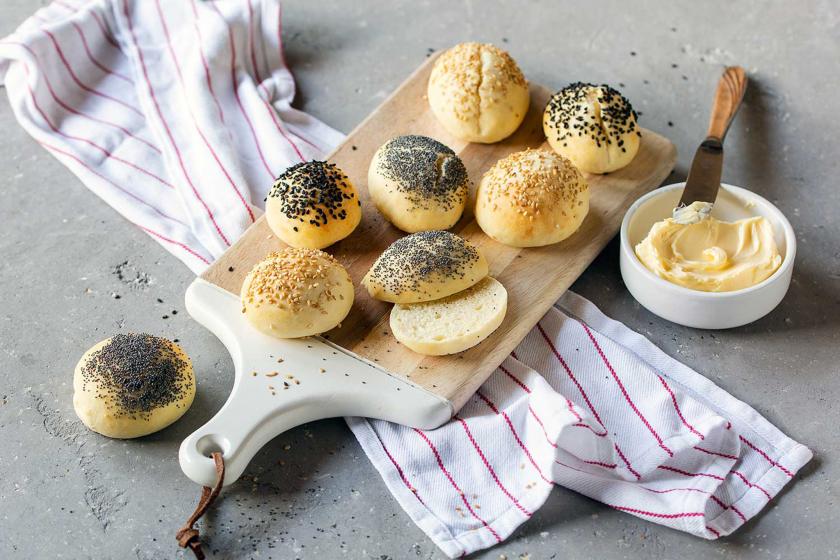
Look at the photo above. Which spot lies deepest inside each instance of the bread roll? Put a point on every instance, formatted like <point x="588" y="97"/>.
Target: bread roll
<point x="297" y="292"/>
<point x="594" y="126"/>
<point x="478" y="93"/>
<point x="451" y="324"/>
<point x="531" y="198"/>
<point x="312" y="205"/>
<point x="425" y="266"/>
<point x="418" y="183"/>
<point x="132" y="385"/>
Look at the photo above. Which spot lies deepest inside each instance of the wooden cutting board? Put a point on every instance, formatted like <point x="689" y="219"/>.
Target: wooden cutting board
<point x="534" y="277"/>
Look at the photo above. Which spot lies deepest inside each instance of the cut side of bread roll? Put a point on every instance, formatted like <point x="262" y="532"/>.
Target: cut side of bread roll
<point x="452" y="324"/>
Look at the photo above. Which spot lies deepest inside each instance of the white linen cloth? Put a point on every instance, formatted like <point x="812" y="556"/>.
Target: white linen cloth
<point x="177" y="113"/>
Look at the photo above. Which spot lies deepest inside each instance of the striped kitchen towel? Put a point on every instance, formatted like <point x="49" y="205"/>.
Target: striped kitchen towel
<point x="177" y="114"/>
<point x="586" y="403"/>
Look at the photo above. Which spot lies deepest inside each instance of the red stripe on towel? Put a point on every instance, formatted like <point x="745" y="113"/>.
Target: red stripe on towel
<point x="166" y="126"/>
<point x="519" y="441"/>
<point x="490" y="468"/>
<point x="195" y="121"/>
<point x="37" y="63"/>
<point x="106" y="179"/>
<point x="677" y="408"/>
<point x="178" y="243"/>
<point x="79" y="83"/>
<point x="625" y="393"/>
<point x="766" y="456"/>
<point x="92" y="58"/>
<point x="454" y="485"/>
<point x="686" y="473"/>
<point x="659" y="515"/>
<point x="204" y="63"/>
<point x="232" y="45"/>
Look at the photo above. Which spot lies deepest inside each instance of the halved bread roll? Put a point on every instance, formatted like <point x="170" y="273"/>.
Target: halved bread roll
<point x="452" y="324"/>
<point x="425" y="266"/>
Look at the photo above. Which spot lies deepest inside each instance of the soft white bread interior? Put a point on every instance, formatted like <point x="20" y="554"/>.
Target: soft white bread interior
<point x="451" y="324"/>
<point x="594" y="126"/>
<point x="478" y="93"/>
<point x="425" y="266"/>
<point x="297" y="292"/>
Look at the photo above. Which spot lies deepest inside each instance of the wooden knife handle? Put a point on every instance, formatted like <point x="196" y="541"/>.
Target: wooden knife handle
<point x="730" y="92"/>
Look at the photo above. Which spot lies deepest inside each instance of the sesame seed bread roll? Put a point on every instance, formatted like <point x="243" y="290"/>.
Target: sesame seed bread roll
<point x="425" y="266"/>
<point x="296" y="292"/>
<point x="478" y="92"/>
<point x="531" y="198"/>
<point x="132" y="385"/>
<point x="452" y="324"/>
<point x="312" y="205"/>
<point x="418" y="184"/>
<point x="594" y="126"/>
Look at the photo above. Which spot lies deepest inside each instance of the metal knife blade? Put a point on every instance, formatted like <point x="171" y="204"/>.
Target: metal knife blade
<point x="704" y="177"/>
<point x="703" y="180"/>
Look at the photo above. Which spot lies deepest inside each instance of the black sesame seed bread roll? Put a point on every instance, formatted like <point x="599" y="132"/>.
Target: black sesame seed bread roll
<point x="132" y="385"/>
<point x="297" y="292"/>
<point x="531" y="198"/>
<point x="478" y="93"/>
<point x="418" y="184"/>
<point x="313" y="205"/>
<point x="425" y="266"/>
<point x="594" y="126"/>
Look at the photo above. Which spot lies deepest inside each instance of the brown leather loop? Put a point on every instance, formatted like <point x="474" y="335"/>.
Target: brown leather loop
<point x="187" y="535"/>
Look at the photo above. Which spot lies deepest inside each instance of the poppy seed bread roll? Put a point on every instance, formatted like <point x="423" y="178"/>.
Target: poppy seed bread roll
<point x="312" y="205"/>
<point x="531" y="198"/>
<point x="418" y="184"/>
<point x="594" y="126"/>
<point x="132" y="385"/>
<point x="478" y="93"/>
<point x="425" y="266"/>
<point x="296" y="292"/>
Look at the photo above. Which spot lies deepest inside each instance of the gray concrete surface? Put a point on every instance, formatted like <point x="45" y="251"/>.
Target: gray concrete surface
<point x="311" y="493"/>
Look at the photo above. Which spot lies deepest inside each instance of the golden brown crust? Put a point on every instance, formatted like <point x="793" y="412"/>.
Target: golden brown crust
<point x="533" y="180"/>
<point x="460" y="70"/>
<point x="478" y="93"/>
<point x="296" y="292"/>
<point x="283" y="277"/>
<point x="531" y="198"/>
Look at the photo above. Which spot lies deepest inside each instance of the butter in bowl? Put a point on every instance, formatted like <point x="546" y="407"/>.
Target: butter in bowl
<point x="716" y="274"/>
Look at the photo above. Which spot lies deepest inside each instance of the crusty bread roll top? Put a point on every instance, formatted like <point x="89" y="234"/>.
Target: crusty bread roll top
<point x="531" y="198"/>
<point x="425" y="172"/>
<point x="478" y="93"/>
<point x="313" y="205"/>
<point x="424" y="266"/>
<point x="132" y="385"/>
<point x="296" y="292"/>
<point x="592" y="125"/>
<point x="139" y="373"/>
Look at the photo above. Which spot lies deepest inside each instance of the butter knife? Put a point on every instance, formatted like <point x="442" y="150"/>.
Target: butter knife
<point x="703" y="181"/>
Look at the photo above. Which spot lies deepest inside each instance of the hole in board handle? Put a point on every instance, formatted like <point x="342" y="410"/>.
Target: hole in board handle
<point x="210" y="443"/>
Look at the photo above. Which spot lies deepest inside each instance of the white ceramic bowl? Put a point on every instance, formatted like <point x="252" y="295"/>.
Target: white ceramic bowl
<point x="692" y="308"/>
